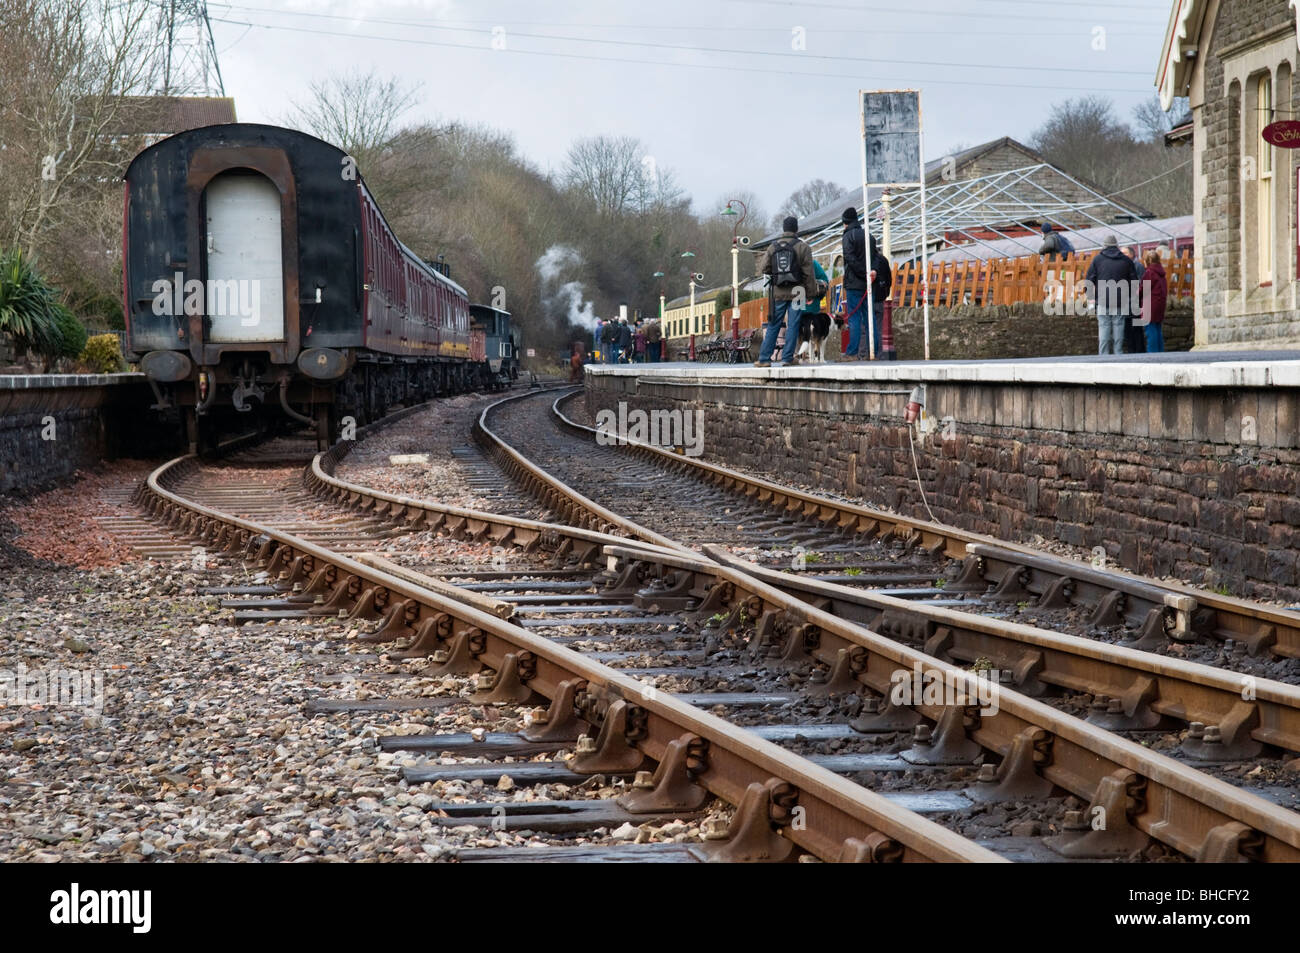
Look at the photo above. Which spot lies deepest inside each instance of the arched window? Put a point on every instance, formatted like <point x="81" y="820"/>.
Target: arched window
<point x="1265" y="194"/>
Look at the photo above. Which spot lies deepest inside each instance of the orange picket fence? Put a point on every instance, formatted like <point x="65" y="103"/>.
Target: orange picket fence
<point x="995" y="281"/>
<point x="1013" y="280"/>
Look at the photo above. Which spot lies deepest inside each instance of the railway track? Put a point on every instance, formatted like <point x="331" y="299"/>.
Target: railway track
<point x="784" y="804"/>
<point x="686" y="622"/>
<point x="1123" y="689"/>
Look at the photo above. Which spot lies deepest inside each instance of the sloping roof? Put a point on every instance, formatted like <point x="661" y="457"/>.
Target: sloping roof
<point x="1177" y="56"/>
<point x="168" y="115"/>
<point x="1145" y="232"/>
<point x="1182" y="132"/>
<point x="829" y="214"/>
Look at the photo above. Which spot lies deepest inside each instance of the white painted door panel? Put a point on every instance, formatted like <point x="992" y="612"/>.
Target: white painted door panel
<point x="245" y="291"/>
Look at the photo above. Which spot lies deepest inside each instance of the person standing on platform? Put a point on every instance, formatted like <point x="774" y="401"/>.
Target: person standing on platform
<point x="1109" y="282"/>
<point x="653" y="341"/>
<point x="638" y="345"/>
<point x="624" y="342"/>
<point x="1155" y="297"/>
<point x="882" y="282"/>
<point x="854" y="248"/>
<point x="609" y="342"/>
<point x="789" y="263"/>
<point x="1134" y="338"/>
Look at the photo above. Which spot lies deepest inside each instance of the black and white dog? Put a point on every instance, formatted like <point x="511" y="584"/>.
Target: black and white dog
<point x="814" y="332"/>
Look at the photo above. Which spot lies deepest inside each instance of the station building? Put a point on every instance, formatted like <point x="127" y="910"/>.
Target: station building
<point x="1235" y="60"/>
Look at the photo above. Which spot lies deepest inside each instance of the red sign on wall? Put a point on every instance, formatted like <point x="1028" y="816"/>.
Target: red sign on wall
<point x="1285" y="133"/>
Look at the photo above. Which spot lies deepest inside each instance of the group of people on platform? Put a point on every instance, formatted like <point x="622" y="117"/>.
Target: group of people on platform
<point x="618" y="342"/>
<point x="798" y="284"/>
<point x="1131" y="292"/>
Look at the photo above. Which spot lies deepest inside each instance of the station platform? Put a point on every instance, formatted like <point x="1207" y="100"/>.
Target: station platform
<point x="1168" y="369"/>
<point x="1183" y="463"/>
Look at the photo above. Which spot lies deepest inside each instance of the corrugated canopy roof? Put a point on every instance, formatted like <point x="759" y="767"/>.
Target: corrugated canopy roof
<point x="829" y="214"/>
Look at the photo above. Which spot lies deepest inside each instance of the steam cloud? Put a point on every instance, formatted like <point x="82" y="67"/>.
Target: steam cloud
<point x="564" y="299"/>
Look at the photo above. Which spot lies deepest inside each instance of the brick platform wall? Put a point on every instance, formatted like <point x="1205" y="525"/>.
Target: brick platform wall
<point x="51" y="426"/>
<point x="1201" y="484"/>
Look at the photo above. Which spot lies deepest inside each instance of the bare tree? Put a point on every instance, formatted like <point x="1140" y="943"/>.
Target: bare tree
<point x="358" y="112"/>
<point x="74" y="75"/>
<point x="610" y="172"/>
<point x="807" y="199"/>
<point x="1086" y="138"/>
<point x="68" y="69"/>
<point x="1152" y="121"/>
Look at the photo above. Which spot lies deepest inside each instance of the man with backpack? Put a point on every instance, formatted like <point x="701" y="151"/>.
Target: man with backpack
<point x="1054" y="243"/>
<point x="793" y="283"/>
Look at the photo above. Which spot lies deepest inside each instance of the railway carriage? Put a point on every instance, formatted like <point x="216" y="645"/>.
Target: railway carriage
<point x="259" y="272"/>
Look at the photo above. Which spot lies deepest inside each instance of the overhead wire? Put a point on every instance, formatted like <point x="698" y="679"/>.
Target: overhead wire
<point x="626" y="60"/>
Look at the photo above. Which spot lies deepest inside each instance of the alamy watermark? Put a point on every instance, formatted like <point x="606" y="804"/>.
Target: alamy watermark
<point x="1066" y="296"/>
<point x="665" y="429"/>
<point x="51" y="688"/>
<point x="946" y="688"/>
<point x="241" y="298"/>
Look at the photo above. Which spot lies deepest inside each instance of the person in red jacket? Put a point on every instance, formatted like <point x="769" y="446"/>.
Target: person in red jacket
<point x="1155" y="296"/>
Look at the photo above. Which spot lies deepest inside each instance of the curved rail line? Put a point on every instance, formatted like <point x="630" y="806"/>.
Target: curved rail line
<point x="1134" y="686"/>
<point x="1164" y="610"/>
<point x="840" y="820"/>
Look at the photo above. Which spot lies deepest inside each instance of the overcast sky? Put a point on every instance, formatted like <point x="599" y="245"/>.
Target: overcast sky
<point x="731" y="94"/>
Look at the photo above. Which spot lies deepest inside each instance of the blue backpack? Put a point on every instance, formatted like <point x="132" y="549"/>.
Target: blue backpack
<point x="1065" y="246"/>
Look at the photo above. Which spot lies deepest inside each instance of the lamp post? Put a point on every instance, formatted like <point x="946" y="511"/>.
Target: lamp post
<point x="663" y="327"/>
<point x="735" y="261"/>
<point x="696" y="278"/>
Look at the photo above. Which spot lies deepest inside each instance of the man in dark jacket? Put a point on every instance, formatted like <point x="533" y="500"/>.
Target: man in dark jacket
<point x="610" y="353"/>
<point x="854" y="248"/>
<point x="791" y="290"/>
<point x="1051" y="246"/>
<point x="624" y="342"/>
<point x="1135" y="341"/>
<point x="654" y="338"/>
<point x="882" y="282"/>
<point x="1109" y="283"/>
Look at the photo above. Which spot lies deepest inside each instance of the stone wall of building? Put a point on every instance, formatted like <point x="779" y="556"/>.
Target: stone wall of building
<point x="1233" y="310"/>
<point x="1200" y="483"/>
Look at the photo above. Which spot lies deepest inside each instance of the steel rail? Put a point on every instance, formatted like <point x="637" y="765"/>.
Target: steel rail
<point x="1163" y="609"/>
<point x="573" y="506"/>
<point x="1198" y="815"/>
<point x="840" y="820"/>
<point x="1141" y="683"/>
<point x="568" y="542"/>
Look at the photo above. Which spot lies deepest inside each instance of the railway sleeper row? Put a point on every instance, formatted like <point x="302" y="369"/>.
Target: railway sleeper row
<point x="836" y="820"/>
<point x="1178" y="806"/>
<point x="1163" y="612"/>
